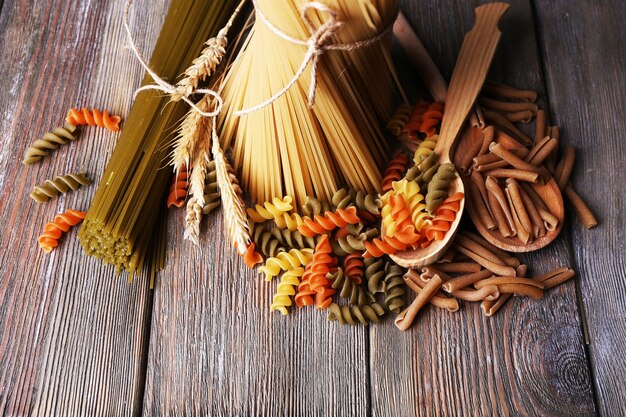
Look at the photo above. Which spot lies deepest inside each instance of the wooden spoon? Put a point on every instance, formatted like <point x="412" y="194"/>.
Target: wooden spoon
<point x="469" y="75"/>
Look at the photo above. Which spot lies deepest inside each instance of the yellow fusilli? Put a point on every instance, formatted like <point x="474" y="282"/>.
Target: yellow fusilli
<point x="283" y="261"/>
<point x="410" y="190"/>
<point x="286" y="289"/>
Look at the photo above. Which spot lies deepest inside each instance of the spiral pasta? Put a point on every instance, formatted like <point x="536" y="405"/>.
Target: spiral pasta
<point x="379" y="247"/>
<point x="53" y="231"/>
<point x="270" y="211"/>
<point x="94" y="118"/>
<point x="401" y="227"/>
<point x="211" y="190"/>
<point x="59" y="185"/>
<point x="414" y="201"/>
<point x="348" y="244"/>
<point x="330" y="221"/>
<point x="305" y="295"/>
<point x="399" y="119"/>
<point x="312" y="207"/>
<point x="284" y="261"/>
<point x="49" y="142"/>
<point x="427" y="170"/>
<point x="438" y="186"/>
<point x="286" y="289"/>
<point x="368" y="205"/>
<point x="251" y="257"/>
<point x="375" y="275"/>
<point x="444" y="216"/>
<point x="265" y="241"/>
<point x="349" y="289"/>
<point x="178" y="188"/>
<point x="323" y="262"/>
<point x="424" y="121"/>
<point x="395" y="170"/>
<point x="353" y="267"/>
<point x="394" y="288"/>
<point x="293" y="239"/>
<point x="425" y="149"/>
<point x="356" y="314"/>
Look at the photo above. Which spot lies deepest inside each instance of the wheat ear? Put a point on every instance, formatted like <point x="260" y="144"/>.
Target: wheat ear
<point x="204" y="66"/>
<point x="199" y="167"/>
<point x="191" y="130"/>
<point x="235" y="221"/>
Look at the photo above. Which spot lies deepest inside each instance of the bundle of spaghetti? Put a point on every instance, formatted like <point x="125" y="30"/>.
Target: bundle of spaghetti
<point x="120" y="226"/>
<point x="329" y="221"/>
<point x="285" y="147"/>
<point x="52" y="232"/>
<point x="395" y="170"/>
<point x="178" y="188"/>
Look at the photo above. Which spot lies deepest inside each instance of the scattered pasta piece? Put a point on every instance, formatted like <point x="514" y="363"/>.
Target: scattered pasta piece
<point x="49" y="142"/>
<point x="59" y="185"/>
<point x="178" y="188"/>
<point x="251" y="257"/>
<point x="94" y="118"/>
<point x="53" y="231"/>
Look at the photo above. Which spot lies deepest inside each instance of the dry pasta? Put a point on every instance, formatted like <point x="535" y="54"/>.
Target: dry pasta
<point x="59" y="185"/>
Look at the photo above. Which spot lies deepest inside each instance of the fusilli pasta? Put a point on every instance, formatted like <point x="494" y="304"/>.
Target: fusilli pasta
<point x="438" y="187"/>
<point x="375" y="275"/>
<point x="330" y="220"/>
<point x="93" y="118"/>
<point x="286" y="289"/>
<point x="53" y="231"/>
<point x="49" y="142"/>
<point x="264" y="240"/>
<point x="61" y="184"/>
<point x="399" y="119"/>
<point x="394" y="288"/>
<point x="178" y="188"/>
<point x="354" y="314"/>
<point x="211" y="190"/>
<point x="349" y="289"/>
<point x="284" y="261"/>
<point x="395" y="170"/>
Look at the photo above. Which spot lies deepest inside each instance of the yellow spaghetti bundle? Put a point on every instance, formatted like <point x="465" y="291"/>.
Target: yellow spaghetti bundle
<point x="285" y="147"/>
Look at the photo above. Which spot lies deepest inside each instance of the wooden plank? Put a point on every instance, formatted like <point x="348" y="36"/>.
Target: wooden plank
<point x="72" y="333"/>
<point x="215" y="348"/>
<point x="584" y="57"/>
<point x="528" y="360"/>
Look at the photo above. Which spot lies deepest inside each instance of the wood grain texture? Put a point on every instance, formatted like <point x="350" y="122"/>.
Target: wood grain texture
<point x="72" y="333"/>
<point x="585" y="78"/>
<point x="530" y="358"/>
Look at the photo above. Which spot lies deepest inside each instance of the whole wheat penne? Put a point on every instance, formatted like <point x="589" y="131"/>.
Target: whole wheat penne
<point x="525" y="116"/>
<point x="499" y="280"/>
<point x="555" y="277"/>
<point x="580" y="207"/>
<point x="492" y="266"/>
<point x="523" y="234"/>
<point x="507" y="106"/>
<point x="565" y="167"/>
<point x="505" y="91"/>
<point x="404" y="320"/>
<point x="521" y="289"/>
<point x="518" y="204"/>
<point x="503" y="123"/>
<point x="542" y="150"/>
<point x="488" y="135"/>
<point x="490" y="308"/>
<point x="462" y="281"/>
<point x="510" y="143"/>
<point x="486" y="293"/>
<point x="459" y="267"/>
<point x="473" y="143"/>
<point x="430" y="271"/>
<point x="446" y="303"/>
<point x="448" y="256"/>
<point x="490" y="167"/>
<point x="539" y="229"/>
<point x="508" y="259"/>
<point x="479" y="249"/>
<point x="521" y="270"/>
<point x="540" y="125"/>
<point x="517" y="162"/>
<point x="518" y="174"/>
<point x="494" y="189"/>
<point x="499" y="216"/>
<point x="479" y="205"/>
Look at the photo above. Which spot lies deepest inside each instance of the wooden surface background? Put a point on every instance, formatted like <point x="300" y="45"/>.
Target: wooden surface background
<point x="75" y="339"/>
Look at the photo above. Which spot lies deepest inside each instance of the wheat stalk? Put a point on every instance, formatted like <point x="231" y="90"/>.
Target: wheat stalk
<point x="204" y="66"/>
<point x="235" y="221"/>
<point x="199" y="167"/>
<point x="191" y="130"/>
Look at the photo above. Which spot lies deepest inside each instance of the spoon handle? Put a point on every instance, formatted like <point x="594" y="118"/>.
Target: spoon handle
<point x="470" y="71"/>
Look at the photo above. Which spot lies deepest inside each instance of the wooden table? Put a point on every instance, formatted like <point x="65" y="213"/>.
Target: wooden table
<point x="76" y="339"/>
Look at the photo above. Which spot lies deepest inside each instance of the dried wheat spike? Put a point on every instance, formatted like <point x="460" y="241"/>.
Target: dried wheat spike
<point x="197" y="179"/>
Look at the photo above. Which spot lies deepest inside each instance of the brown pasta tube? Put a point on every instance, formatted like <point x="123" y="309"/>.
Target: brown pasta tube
<point x="539" y="229"/>
<point x="490" y="308"/>
<point x="550" y="221"/>
<point x="553" y="278"/>
<point x="486" y="293"/>
<point x="540" y="125"/>
<point x="499" y="280"/>
<point x="499" y="216"/>
<point x="404" y="320"/>
<point x="508" y="259"/>
<point x="438" y="301"/>
<point x="486" y="263"/>
<point x="428" y="272"/>
<point x="522" y="270"/>
<point x="565" y="166"/>
<point x="448" y="256"/>
<point x="518" y="174"/>
<point x="507" y="106"/>
<point x="503" y="123"/>
<point x="518" y="204"/>
<point x="521" y="289"/>
<point x="517" y="162"/>
<point x="494" y="189"/>
<point x="580" y="207"/>
<point x="479" y="249"/>
<point x="511" y="143"/>
<point x="487" y="158"/>
<point x="481" y="208"/>
<point x="555" y="134"/>
<point x="490" y="167"/>
<point x="466" y="280"/>
<point x="459" y="267"/>
<point x="525" y="116"/>
<point x="464" y="161"/>
<point x="522" y="233"/>
<point x="489" y="134"/>
<point x="541" y="151"/>
<point x="505" y="91"/>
